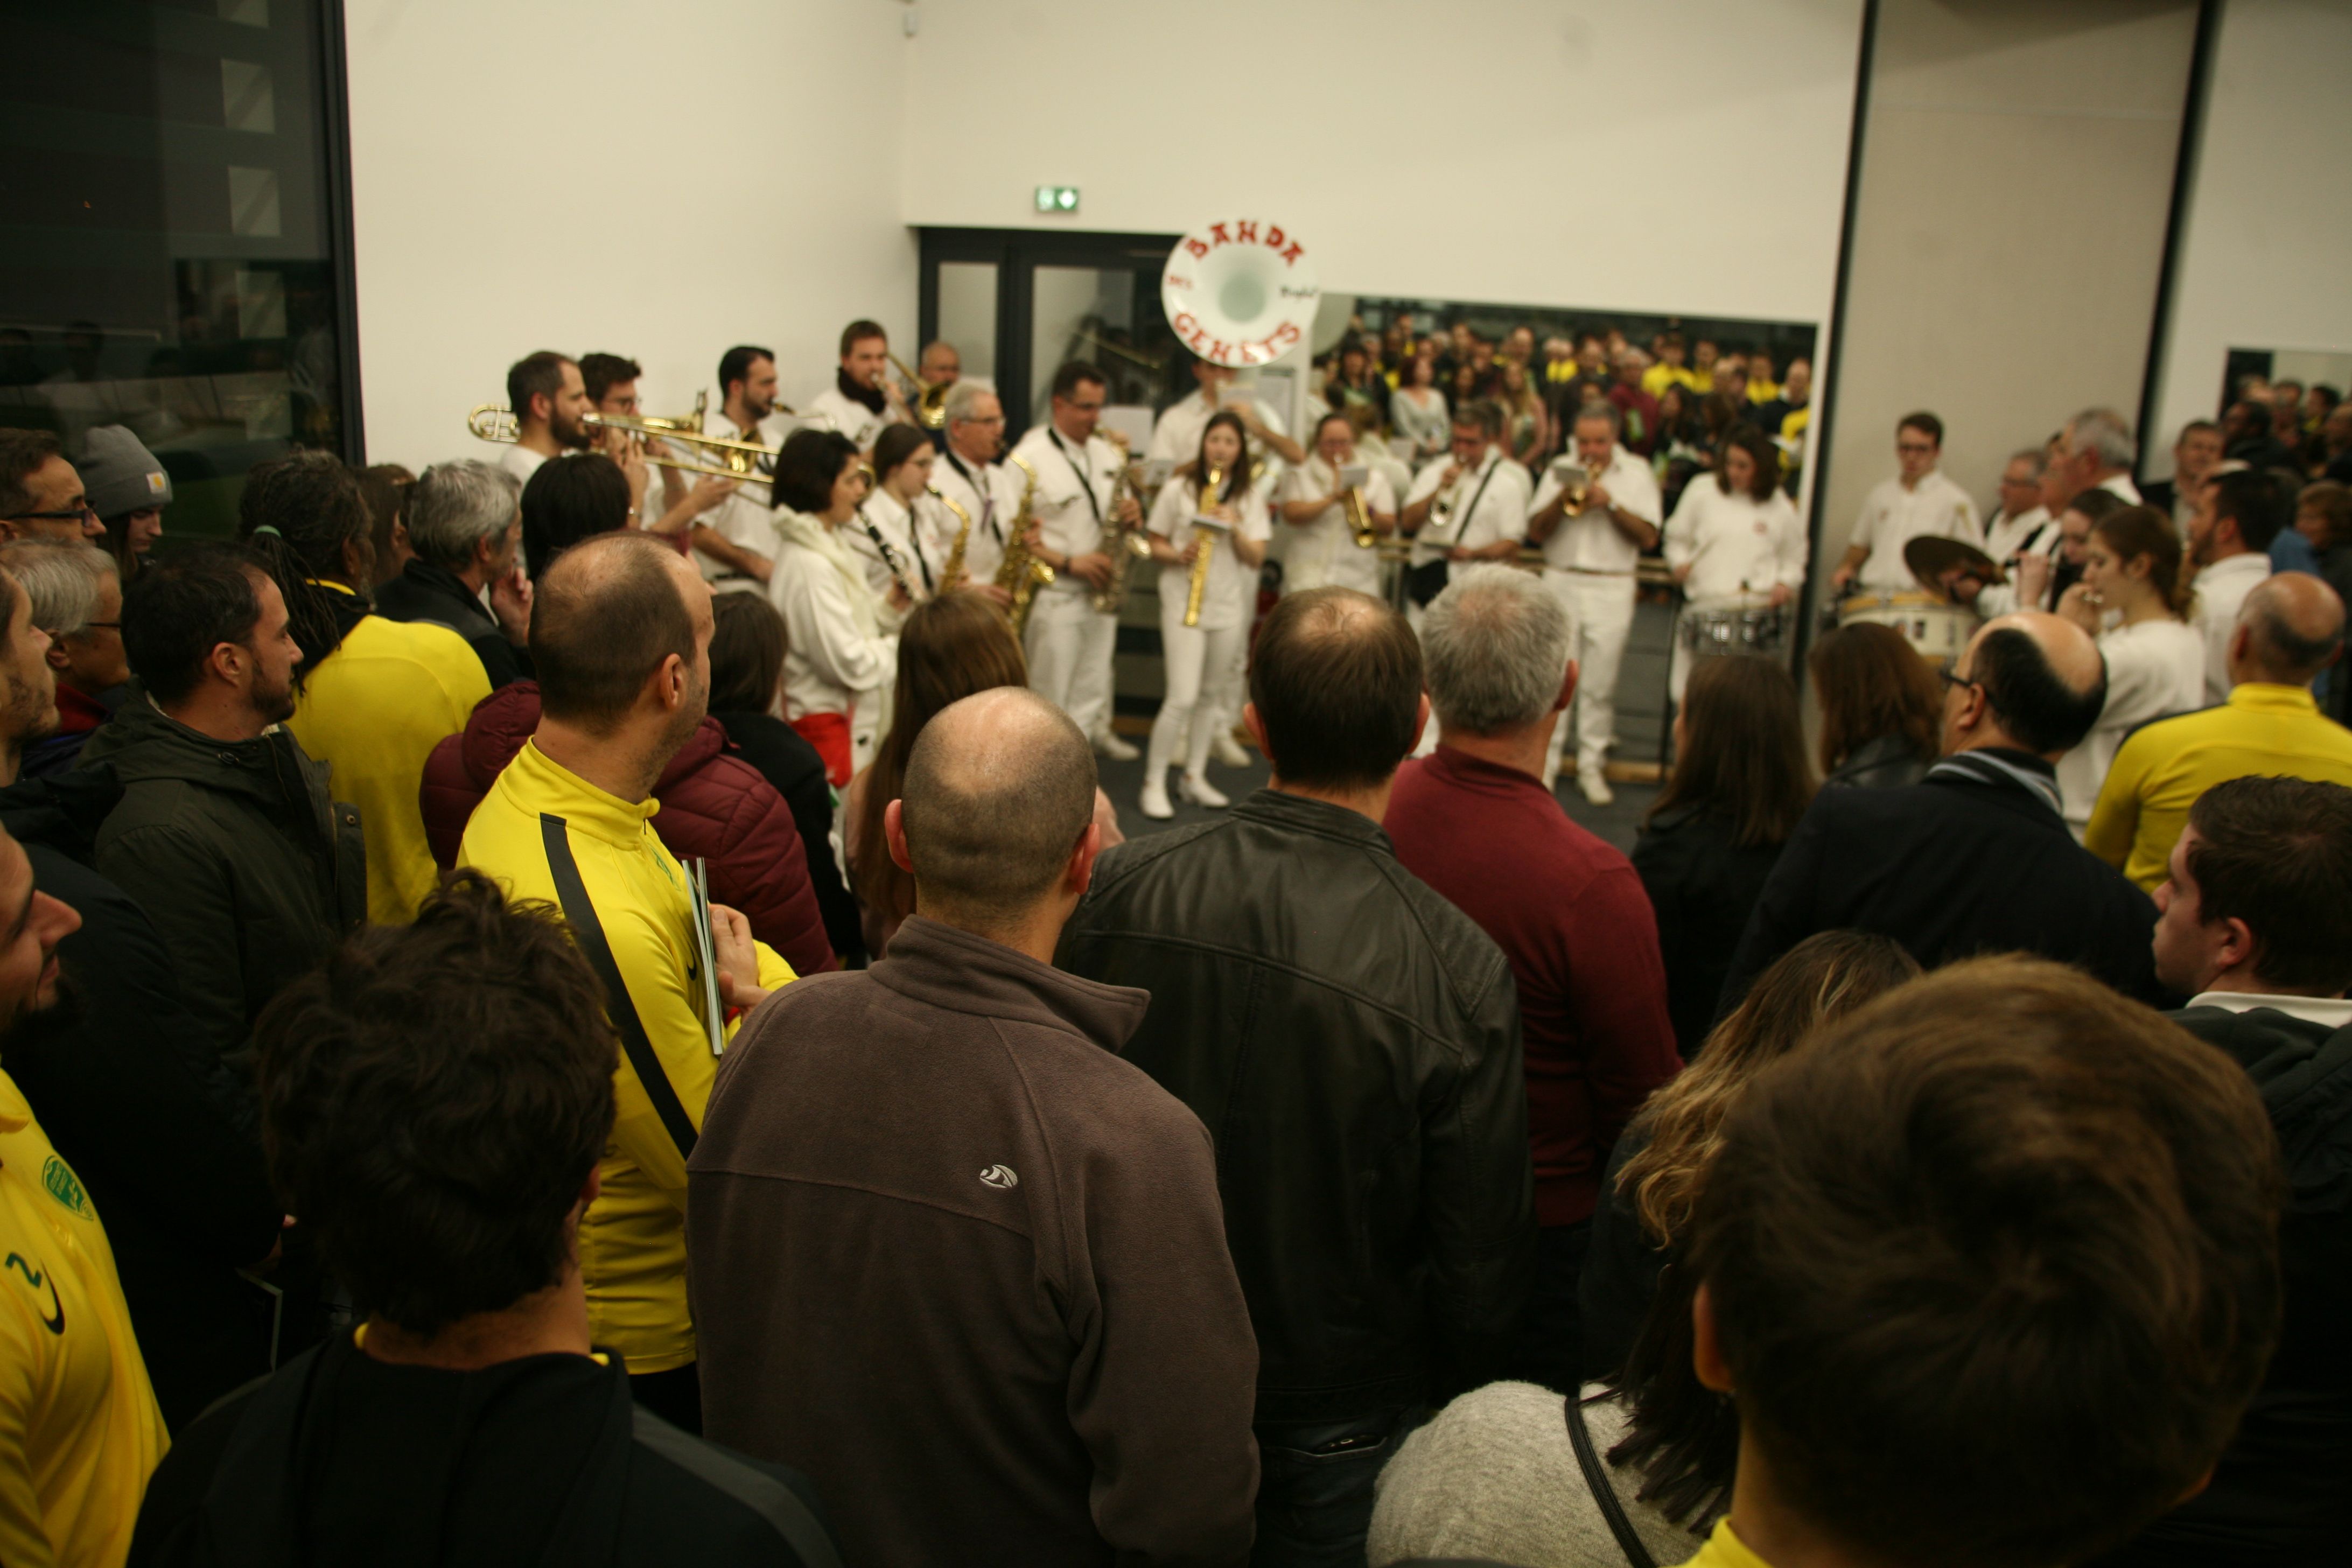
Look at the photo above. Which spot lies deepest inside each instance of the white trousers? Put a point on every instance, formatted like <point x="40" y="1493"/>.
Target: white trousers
<point x="1070" y="645"/>
<point x="1413" y="616"/>
<point x="1599" y="618"/>
<point x="1194" y="660"/>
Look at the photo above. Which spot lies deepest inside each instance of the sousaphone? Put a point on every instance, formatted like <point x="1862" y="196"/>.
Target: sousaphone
<point x="1240" y="292"/>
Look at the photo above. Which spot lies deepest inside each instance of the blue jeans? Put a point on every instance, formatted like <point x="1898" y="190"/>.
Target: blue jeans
<point x="1315" y="1488"/>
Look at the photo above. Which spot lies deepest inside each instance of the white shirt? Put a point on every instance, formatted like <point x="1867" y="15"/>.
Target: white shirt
<point x="1501" y="511"/>
<point x="1588" y="541"/>
<point x="1426" y="429"/>
<point x="1734" y="544"/>
<point x="1893" y="516"/>
<point x="827" y="663"/>
<point x="2121" y="485"/>
<point x="1068" y="523"/>
<point x="2154" y="668"/>
<point x="989" y="493"/>
<point x="1323" y="551"/>
<point x="521" y="461"/>
<point x="1231" y="594"/>
<point x="911" y="538"/>
<point x="2006" y="535"/>
<point x="745" y="518"/>
<point x="2221" y="590"/>
<point x="1177" y="436"/>
<point x="849" y="417"/>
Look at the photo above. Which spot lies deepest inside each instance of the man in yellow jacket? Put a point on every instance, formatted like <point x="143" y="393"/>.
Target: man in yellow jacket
<point x="79" y="1430"/>
<point x="621" y="635"/>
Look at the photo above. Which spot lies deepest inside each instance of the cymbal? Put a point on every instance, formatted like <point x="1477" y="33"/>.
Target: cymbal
<point x="1931" y="555"/>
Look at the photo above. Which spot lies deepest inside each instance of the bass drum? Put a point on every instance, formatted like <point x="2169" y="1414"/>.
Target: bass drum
<point x="1938" y="629"/>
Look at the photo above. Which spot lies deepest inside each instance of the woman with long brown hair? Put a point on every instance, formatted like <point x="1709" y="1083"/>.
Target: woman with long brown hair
<point x="1881" y="707"/>
<point x="1716" y="831"/>
<point x="2156" y="659"/>
<point x="949" y="648"/>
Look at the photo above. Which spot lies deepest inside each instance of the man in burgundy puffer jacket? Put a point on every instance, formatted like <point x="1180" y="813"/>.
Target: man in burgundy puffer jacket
<point x="713" y="805"/>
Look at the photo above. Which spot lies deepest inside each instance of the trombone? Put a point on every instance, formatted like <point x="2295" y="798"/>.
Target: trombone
<point x="930" y="401"/>
<point x="747" y="460"/>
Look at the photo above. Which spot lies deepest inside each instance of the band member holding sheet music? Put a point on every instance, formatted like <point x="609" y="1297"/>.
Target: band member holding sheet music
<point x="1324" y="548"/>
<point x="1230" y="524"/>
<point x="1735" y="541"/>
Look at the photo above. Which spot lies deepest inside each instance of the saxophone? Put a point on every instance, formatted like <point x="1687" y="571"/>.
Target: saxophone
<point x="1126" y="543"/>
<point x="1022" y="573"/>
<point x="954" y="567"/>
<point x="1204" y="542"/>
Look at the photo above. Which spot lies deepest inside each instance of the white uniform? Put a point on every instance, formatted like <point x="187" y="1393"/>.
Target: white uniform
<point x="1177" y="436"/>
<point x="2154" y="668"/>
<point x="2121" y="485"/>
<point x="1589" y="565"/>
<point x="988" y="494"/>
<point x="1738" y="550"/>
<point x="747" y="519"/>
<point x="839" y="411"/>
<point x="1490" y="506"/>
<point x="2006" y="535"/>
<point x="1070" y="643"/>
<point x="830" y="663"/>
<point x="1893" y="516"/>
<point x="1323" y="550"/>
<point x="2221" y="590"/>
<point x="521" y="461"/>
<point x="913" y="541"/>
<point x="1196" y="656"/>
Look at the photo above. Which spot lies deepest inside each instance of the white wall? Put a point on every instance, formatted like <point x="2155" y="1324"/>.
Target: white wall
<point x="2265" y="256"/>
<point x="655" y="182"/>
<point x="1673" y="156"/>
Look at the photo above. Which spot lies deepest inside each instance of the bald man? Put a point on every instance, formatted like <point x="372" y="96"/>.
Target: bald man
<point x="2290" y="628"/>
<point x="1975" y="857"/>
<point x="953" y="1255"/>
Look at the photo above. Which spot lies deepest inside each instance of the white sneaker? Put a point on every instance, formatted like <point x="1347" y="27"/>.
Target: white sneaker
<point x="1200" y="791"/>
<point x="1155" y="800"/>
<point x="1109" y="745"/>
<point x="1227" y="751"/>
<point x="1596" y="788"/>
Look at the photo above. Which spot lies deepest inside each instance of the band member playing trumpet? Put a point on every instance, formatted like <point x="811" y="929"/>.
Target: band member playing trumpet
<point x="1735" y="541"/>
<point x="1178" y="435"/>
<point x="735" y="546"/>
<point x="547" y="398"/>
<point x="863" y="397"/>
<point x="1215" y="484"/>
<point x="839" y="662"/>
<point x="968" y="475"/>
<point x="668" y="506"/>
<point x="1470" y="505"/>
<point x="897" y="537"/>
<point x="1592" y="532"/>
<point x="1077" y="505"/>
<point x="1338" y="526"/>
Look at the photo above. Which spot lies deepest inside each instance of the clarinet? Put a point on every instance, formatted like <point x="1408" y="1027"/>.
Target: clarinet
<point x="889" y="557"/>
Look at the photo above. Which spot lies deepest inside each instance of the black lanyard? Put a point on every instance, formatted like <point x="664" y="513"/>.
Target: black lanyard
<point x="1086" y="475"/>
<point x="987" y="497"/>
<point x="1472" y="509"/>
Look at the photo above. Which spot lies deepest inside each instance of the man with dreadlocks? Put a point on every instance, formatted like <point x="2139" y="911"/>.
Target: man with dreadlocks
<point x="372" y="696"/>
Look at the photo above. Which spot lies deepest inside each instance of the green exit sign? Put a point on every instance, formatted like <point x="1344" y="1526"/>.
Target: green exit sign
<point x="1057" y="198"/>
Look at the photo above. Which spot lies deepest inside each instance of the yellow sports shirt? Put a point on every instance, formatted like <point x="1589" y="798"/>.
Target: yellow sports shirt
<point x="1725" y="1550"/>
<point x="80" y="1431"/>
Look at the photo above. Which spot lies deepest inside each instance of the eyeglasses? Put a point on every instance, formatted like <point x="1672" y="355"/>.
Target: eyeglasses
<point x="71" y="514"/>
<point x="102" y="626"/>
<point x="1948" y="678"/>
<point x="1914" y="449"/>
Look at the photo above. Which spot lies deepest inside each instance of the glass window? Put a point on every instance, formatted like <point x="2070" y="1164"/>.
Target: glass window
<point x="967" y="314"/>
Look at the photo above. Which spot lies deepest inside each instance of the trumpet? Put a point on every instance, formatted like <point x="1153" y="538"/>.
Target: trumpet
<point x="955" y="568"/>
<point x="1204" y="544"/>
<point x="1360" y="518"/>
<point x="1022" y="575"/>
<point x="930" y="401"/>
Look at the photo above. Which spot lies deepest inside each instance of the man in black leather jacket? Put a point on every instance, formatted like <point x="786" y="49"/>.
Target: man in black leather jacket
<point x="1352" y="1041"/>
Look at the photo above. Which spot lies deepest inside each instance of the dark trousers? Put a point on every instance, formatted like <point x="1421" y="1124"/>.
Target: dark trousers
<point x="1315" y="1488"/>
<point x="1551" y="1337"/>
<point x="674" y="1395"/>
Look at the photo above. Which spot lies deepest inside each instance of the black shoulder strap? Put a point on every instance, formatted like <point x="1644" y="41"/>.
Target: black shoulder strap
<point x="1604" y="1494"/>
<point x="756" y="1490"/>
<point x="589" y="933"/>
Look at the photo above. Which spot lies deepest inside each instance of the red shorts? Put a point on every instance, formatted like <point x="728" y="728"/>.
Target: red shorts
<point x="829" y="733"/>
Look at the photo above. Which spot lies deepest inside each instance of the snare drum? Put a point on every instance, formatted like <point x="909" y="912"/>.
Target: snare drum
<point x="1938" y="629"/>
<point x="1751" y="633"/>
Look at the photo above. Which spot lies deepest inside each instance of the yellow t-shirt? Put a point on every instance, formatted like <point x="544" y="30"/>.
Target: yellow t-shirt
<point x="1725" y="1550"/>
<point x="80" y="1431"/>
<point x="1762" y="391"/>
<point x="1659" y="377"/>
<point x="373" y="711"/>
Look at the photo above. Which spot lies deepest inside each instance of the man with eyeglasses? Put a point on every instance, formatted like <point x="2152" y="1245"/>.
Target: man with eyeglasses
<point x="41" y="496"/>
<point x="970" y="476"/>
<point x="1918" y="502"/>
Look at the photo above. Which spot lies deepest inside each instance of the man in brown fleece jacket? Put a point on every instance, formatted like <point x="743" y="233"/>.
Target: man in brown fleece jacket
<point x="949" y="1252"/>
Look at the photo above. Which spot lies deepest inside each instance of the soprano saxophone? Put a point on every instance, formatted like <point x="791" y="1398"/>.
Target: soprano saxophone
<point x="1204" y="544"/>
<point x="1127" y="542"/>
<point x="1022" y="575"/>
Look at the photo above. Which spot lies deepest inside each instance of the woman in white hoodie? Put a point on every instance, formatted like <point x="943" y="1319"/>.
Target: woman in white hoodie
<point x="838" y="662"/>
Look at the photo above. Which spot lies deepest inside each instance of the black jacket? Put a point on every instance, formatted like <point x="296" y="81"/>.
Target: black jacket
<point x="1885" y="763"/>
<point x="1620" y="1277"/>
<point x="1701" y="886"/>
<point x="120" y="1088"/>
<point x="793" y="767"/>
<point x="2282" y="1491"/>
<point x="1969" y="861"/>
<point x="537" y="1462"/>
<point x="424" y="591"/>
<point x="1351" y="1042"/>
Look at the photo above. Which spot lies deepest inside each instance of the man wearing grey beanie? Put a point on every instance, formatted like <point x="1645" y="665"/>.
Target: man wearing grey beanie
<point x="129" y="491"/>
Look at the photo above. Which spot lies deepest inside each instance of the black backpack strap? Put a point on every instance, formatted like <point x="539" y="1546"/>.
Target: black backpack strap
<point x="1604" y="1495"/>
<point x="589" y="933"/>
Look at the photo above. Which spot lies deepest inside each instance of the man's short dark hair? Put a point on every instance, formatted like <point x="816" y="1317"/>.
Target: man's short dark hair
<point x="1336" y="677"/>
<point x="2255" y="501"/>
<point x="568" y="499"/>
<point x="2276" y="853"/>
<point x="183" y="606"/>
<point x="1483" y="415"/>
<point x="857" y="332"/>
<point x="1074" y="373"/>
<point x="601" y="372"/>
<point x="534" y="375"/>
<point x="1927" y="423"/>
<point x="603" y="620"/>
<point x="1994" y="1265"/>
<point x="736" y="364"/>
<point x="432" y="1102"/>
<point x="808" y="465"/>
<point x="2032" y="702"/>
<point x="22" y="454"/>
<point x="987" y="844"/>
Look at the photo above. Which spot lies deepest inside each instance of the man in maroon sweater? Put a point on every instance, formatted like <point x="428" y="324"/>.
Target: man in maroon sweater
<point x="1475" y="822"/>
<point x="948" y="1251"/>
